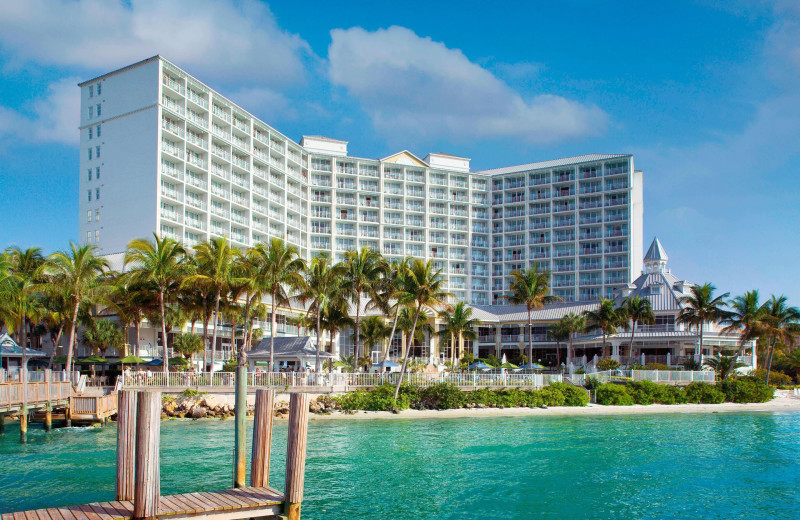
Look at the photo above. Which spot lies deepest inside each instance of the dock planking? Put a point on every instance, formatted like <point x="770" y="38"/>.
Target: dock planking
<point x="233" y="504"/>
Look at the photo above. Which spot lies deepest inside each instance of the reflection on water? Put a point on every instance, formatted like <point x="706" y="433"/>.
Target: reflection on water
<point x="660" y="466"/>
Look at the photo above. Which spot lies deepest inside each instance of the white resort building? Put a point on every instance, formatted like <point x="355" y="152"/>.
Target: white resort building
<point x="162" y="152"/>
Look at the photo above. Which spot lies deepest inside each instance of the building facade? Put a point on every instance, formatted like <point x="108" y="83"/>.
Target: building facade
<point x="162" y="152"/>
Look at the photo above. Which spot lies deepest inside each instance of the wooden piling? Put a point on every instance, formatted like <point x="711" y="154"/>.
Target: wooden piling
<point x="240" y="442"/>
<point x="262" y="438"/>
<point x="126" y="443"/>
<point x="2" y="424"/>
<point x="68" y="413"/>
<point x="147" y="485"/>
<point x="296" y="454"/>
<point x="48" y="418"/>
<point x="23" y="424"/>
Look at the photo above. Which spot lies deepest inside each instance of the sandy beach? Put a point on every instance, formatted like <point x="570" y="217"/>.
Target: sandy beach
<point x="782" y="403"/>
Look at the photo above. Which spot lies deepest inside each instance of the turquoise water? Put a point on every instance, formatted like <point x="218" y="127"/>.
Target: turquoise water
<point x="660" y="466"/>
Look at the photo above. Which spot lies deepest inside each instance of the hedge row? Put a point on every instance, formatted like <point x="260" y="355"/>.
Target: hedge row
<point x="741" y="390"/>
<point x="444" y="396"/>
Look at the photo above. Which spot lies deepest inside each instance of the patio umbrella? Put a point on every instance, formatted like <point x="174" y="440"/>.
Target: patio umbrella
<point x="178" y="360"/>
<point x="480" y="365"/>
<point x="131" y="360"/>
<point x="532" y="366"/>
<point x="508" y="365"/>
<point x="60" y="360"/>
<point x="157" y="362"/>
<point x="92" y="361"/>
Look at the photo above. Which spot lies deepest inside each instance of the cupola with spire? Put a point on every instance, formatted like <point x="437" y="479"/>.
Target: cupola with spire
<point x="655" y="261"/>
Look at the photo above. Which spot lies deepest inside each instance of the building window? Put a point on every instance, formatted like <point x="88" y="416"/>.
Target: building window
<point x="99" y="88"/>
<point x="91" y="112"/>
<point x="98" y="130"/>
<point x="97" y="173"/>
<point x="97" y="193"/>
<point x="96" y="236"/>
<point x="89" y="194"/>
<point x="90" y="132"/>
<point x="90" y="154"/>
<point x="98" y="110"/>
<point x="97" y="215"/>
<point x="91" y="91"/>
<point x="89" y="173"/>
<point x="88" y="237"/>
<point x="89" y="216"/>
<point x="97" y="152"/>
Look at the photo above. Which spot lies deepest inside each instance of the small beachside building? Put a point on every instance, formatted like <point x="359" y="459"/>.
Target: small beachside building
<point x="291" y="352"/>
<point x="11" y="353"/>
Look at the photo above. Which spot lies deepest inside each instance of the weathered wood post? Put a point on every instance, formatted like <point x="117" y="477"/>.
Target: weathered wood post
<point x="48" y="410"/>
<point x="126" y="443"/>
<point x="262" y="438"/>
<point x="68" y="413"/>
<point x="240" y="443"/>
<point x="23" y="424"/>
<point x="296" y="454"/>
<point x="147" y="483"/>
<point x="23" y="411"/>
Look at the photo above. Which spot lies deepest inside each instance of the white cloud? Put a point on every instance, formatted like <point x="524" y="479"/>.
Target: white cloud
<point x="413" y="85"/>
<point x="54" y="118"/>
<point x="226" y="41"/>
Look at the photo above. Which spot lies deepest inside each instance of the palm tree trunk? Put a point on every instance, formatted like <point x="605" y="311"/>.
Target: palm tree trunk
<point x="164" y="331"/>
<point x="769" y="359"/>
<point x="530" y="339"/>
<point x="700" y="356"/>
<point x="233" y="337"/>
<point x="72" y="327"/>
<point x="24" y="342"/>
<point x="569" y="349"/>
<point x="452" y="351"/>
<point x="633" y="331"/>
<point x="214" y="331"/>
<point x="391" y="336"/>
<point x="137" y="330"/>
<point x="273" y="323"/>
<point x="408" y="351"/>
<point x="317" y="365"/>
<point x="357" y="343"/>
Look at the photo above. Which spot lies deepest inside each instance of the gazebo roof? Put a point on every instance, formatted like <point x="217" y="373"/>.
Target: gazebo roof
<point x="10" y="348"/>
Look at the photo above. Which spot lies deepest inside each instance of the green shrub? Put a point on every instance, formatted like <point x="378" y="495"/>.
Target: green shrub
<point x="552" y="396"/>
<point x="703" y="393"/>
<point x="573" y="396"/>
<point x="746" y="390"/>
<point x="191" y="393"/>
<point x="775" y="378"/>
<point x="657" y="366"/>
<point x="607" y="364"/>
<point x="442" y="396"/>
<point x="591" y="383"/>
<point x="612" y="394"/>
<point x="643" y="392"/>
<point x="668" y="394"/>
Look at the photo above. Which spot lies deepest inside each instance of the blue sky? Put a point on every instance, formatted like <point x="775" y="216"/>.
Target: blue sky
<point x="704" y="94"/>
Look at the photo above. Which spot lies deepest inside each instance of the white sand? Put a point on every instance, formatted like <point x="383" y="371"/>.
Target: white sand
<point x="781" y="403"/>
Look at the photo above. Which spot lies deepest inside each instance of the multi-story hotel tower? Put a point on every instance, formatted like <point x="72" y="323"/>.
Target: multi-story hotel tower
<point x="162" y="152"/>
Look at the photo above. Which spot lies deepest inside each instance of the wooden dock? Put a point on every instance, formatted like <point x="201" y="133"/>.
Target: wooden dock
<point x="138" y="475"/>
<point x="233" y="504"/>
<point x="92" y="408"/>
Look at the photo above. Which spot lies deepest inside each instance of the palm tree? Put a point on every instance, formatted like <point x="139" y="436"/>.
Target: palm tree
<point x="701" y="307"/>
<point x="26" y="269"/>
<point x="723" y="365"/>
<point x="334" y="319"/>
<point x="424" y="287"/>
<point x="558" y="332"/>
<point x="392" y="288"/>
<point x="102" y="334"/>
<point x="529" y="287"/>
<point x="75" y="277"/>
<point x="130" y="300"/>
<point x="163" y="263"/>
<point x="573" y="323"/>
<point x="458" y="326"/>
<point x="745" y="318"/>
<point x="214" y="268"/>
<point x="281" y="271"/>
<point x="606" y="318"/>
<point x="322" y="292"/>
<point x="362" y="274"/>
<point x="638" y="310"/>
<point x="374" y="330"/>
<point x="780" y="323"/>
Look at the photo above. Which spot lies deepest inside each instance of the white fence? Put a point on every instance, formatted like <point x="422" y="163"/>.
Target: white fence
<point x="345" y="380"/>
<point x="657" y="376"/>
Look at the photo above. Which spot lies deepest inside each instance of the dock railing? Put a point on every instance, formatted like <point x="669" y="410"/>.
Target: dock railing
<point x="656" y="376"/>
